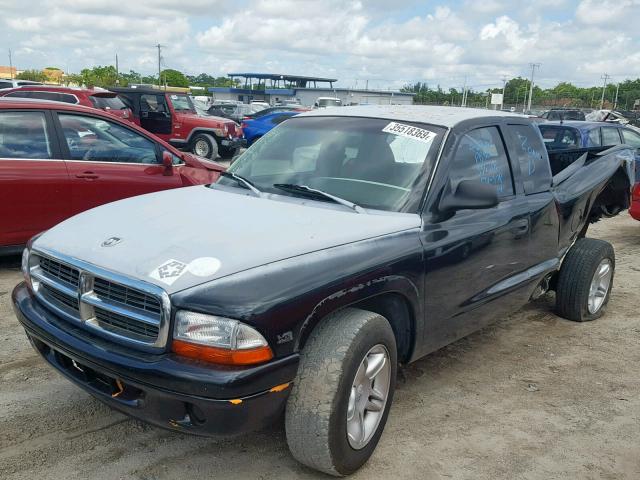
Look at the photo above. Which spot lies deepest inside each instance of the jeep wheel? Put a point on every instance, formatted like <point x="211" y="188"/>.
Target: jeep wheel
<point x="341" y="397"/>
<point x="204" y="145"/>
<point x="585" y="280"/>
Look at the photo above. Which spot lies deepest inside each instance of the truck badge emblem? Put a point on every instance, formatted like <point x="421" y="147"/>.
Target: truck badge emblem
<point x="111" y="242"/>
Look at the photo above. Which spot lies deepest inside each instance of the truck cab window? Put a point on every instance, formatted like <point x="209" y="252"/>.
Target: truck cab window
<point x="481" y="156"/>
<point x="530" y="151"/>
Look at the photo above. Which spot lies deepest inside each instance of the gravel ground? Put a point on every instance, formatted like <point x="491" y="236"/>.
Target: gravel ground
<point x="532" y="397"/>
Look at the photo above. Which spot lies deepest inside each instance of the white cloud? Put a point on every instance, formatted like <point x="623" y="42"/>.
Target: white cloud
<point x="389" y="43"/>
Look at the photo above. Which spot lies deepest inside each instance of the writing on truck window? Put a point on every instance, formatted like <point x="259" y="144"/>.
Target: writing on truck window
<point x="531" y="153"/>
<point x="481" y="157"/>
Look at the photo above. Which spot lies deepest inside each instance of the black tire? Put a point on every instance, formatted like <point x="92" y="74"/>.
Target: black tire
<point x="316" y="414"/>
<point x="575" y="278"/>
<point x="208" y="140"/>
<point x="228" y="152"/>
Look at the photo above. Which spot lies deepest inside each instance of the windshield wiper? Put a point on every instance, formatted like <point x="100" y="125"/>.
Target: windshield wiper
<point x="292" y="187"/>
<point x="243" y="182"/>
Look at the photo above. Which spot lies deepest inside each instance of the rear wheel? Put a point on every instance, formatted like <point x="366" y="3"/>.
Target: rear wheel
<point x="585" y="280"/>
<point x="204" y="145"/>
<point x="341" y="397"/>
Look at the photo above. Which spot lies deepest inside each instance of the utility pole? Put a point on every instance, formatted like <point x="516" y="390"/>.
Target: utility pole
<point x="615" y="102"/>
<point x="605" y="77"/>
<point x="463" y="103"/>
<point x="10" y="65"/>
<point x="533" y="69"/>
<point x="504" y="85"/>
<point x="159" y="47"/>
<point x="117" y="71"/>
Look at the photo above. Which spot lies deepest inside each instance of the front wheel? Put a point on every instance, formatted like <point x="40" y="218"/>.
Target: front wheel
<point x="341" y="397"/>
<point x="204" y="145"/>
<point x="585" y="280"/>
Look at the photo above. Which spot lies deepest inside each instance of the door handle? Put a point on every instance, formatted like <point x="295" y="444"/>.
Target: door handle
<point x="87" y="175"/>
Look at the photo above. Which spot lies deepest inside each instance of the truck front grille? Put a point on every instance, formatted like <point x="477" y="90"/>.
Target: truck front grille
<point x="116" y="307"/>
<point x="60" y="271"/>
<point x="123" y="325"/>
<point x="126" y="296"/>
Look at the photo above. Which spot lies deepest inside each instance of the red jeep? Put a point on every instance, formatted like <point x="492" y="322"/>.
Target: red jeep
<point x="172" y="117"/>
<point x="89" y="97"/>
<point x="58" y="159"/>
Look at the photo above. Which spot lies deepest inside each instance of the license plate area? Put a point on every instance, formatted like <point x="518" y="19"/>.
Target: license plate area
<point x="98" y="381"/>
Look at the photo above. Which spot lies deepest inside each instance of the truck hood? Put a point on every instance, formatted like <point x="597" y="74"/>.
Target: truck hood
<point x="180" y="238"/>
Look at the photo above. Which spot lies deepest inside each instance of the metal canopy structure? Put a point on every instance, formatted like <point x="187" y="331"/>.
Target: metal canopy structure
<point x="281" y="80"/>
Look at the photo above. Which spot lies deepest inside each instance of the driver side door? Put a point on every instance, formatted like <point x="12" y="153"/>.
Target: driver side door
<point x="473" y="257"/>
<point x="108" y="162"/>
<point x="155" y="115"/>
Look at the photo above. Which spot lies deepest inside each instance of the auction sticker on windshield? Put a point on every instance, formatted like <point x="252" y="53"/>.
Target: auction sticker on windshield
<point x="407" y="131"/>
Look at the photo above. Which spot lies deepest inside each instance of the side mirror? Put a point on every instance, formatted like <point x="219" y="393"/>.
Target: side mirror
<point x="469" y="194"/>
<point x="167" y="163"/>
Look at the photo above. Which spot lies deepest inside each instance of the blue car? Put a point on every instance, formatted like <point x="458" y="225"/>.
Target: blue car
<point x="576" y="134"/>
<point x="254" y="128"/>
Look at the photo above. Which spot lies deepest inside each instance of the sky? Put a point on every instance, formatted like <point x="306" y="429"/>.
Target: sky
<point x="379" y="43"/>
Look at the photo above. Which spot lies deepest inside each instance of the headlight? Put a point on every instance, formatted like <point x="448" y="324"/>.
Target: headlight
<point x="218" y="340"/>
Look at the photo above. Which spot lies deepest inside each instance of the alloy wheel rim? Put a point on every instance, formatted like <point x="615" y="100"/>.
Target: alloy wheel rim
<point x="368" y="396"/>
<point x="201" y="148"/>
<point x="600" y="284"/>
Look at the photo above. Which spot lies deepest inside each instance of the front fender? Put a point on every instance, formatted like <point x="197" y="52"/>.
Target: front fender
<point x="286" y="299"/>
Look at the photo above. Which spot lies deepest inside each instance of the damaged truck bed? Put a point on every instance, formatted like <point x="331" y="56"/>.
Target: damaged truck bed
<point x="344" y="242"/>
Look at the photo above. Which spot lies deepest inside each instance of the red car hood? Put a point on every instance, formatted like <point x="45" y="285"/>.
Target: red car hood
<point x="201" y="162"/>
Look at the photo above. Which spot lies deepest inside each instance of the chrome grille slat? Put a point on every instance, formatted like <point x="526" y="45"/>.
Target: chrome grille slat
<point x="60" y="271"/>
<point x="123" y="325"/>
<point x="62" y="298"/>
<point x="117" y="307"/>
<point x="126" y="296"/>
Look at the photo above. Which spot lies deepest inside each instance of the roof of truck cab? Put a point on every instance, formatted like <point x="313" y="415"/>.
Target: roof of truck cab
<point x="444" y="116"/>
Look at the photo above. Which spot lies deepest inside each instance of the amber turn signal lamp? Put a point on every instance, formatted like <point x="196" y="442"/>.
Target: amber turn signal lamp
<point x="222" y="356"/>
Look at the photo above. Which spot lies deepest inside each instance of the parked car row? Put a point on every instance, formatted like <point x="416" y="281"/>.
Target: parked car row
<point x="169" y="115"/>
<point x="58" y="159"/>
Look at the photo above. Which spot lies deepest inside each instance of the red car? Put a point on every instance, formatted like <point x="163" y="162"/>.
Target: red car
<point x="89" y="97"/>
<point x="58" y="159"/>
<point x="634" y="209"/>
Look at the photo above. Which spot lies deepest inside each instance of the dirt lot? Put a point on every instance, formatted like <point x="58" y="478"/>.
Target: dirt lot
<point x="533" y="397"/>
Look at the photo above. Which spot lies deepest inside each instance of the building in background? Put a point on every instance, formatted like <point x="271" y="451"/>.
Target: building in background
<point x="276" y="88"/>
<point x="8" y="72"/>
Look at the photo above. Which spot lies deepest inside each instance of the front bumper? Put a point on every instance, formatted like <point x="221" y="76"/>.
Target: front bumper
<point x="163" y="390"/>
<point x="233" y="143"/>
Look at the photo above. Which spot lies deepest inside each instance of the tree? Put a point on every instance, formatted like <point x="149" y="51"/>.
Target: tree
<point x="33" y="75"/>
<point x="174" y="78"/>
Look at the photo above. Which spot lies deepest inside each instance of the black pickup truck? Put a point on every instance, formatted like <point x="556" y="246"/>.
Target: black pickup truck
<point x="342" y="244"/>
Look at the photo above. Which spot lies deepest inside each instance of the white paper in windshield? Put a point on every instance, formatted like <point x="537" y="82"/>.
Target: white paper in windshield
<point x="407" y="131"/>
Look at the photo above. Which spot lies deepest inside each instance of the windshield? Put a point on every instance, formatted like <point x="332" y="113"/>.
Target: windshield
<point x="329" y="102"/>
<point x="373" y="163"/>
<point x="181" y="103"/>
<point x="111" y="103"/>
